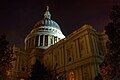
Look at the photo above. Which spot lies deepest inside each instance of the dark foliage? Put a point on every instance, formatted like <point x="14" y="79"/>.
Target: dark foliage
<point x="99" y="77"/>
<point x="6" y="56"/>
<point x="115" y="13"/>
<point x="40" y="72"/>
<point x="110" y="68"/>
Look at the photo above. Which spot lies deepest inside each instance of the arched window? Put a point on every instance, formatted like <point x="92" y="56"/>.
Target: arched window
<point x="46" y="40"/>
<point x="41" y="40"/>
<point x="36" y="40"/>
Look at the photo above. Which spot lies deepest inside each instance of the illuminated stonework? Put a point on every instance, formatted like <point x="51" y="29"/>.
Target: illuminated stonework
<point x="75" y="57"/>
<point x="80" y="52"/>
<point x="46" y="32"/>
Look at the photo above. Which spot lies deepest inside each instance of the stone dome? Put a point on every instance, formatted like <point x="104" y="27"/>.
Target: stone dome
<point x="48" y="23"/>
<point x="45" y="33"/>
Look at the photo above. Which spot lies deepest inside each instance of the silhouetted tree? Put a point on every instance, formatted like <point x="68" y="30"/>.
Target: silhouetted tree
<point x="6" y="57"/>
<point x="110" y="68"/>
<point x="40" y="72"/>
<point x="99" y="77"/>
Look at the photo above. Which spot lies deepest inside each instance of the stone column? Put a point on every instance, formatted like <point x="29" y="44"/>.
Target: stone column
<point x="39" y="40"/>
<point x="53" y="39"/>
<point x="43" y="40"/>
<point x="49" y="40"/>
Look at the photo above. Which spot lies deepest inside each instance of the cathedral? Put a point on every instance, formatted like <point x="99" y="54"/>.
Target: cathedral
<point x="77" y="56"/>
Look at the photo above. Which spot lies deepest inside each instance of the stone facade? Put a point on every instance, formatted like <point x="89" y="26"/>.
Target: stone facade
<point x="80" y="53"/>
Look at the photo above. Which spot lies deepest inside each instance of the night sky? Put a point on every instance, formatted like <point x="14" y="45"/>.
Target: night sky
<point x="17" y="17"/>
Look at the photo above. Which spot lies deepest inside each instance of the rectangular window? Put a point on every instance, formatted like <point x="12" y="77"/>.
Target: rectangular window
<point x="36" y="41"/>
<point x="41" y="40"/>
<point x="46" y="40"/>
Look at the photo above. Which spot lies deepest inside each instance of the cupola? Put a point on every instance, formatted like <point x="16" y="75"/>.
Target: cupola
<point x="45" y="33"/>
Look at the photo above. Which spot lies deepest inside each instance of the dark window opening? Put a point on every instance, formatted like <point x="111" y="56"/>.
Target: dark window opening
<point x="56" y="64"/>
<point x="41" y="40"/>
<point x="23" y="69"/>
<point x="70" y="59"/>
<point x="46" y="40"/>
<point x="36" y="41"/>
<point x="100" y="53"/>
